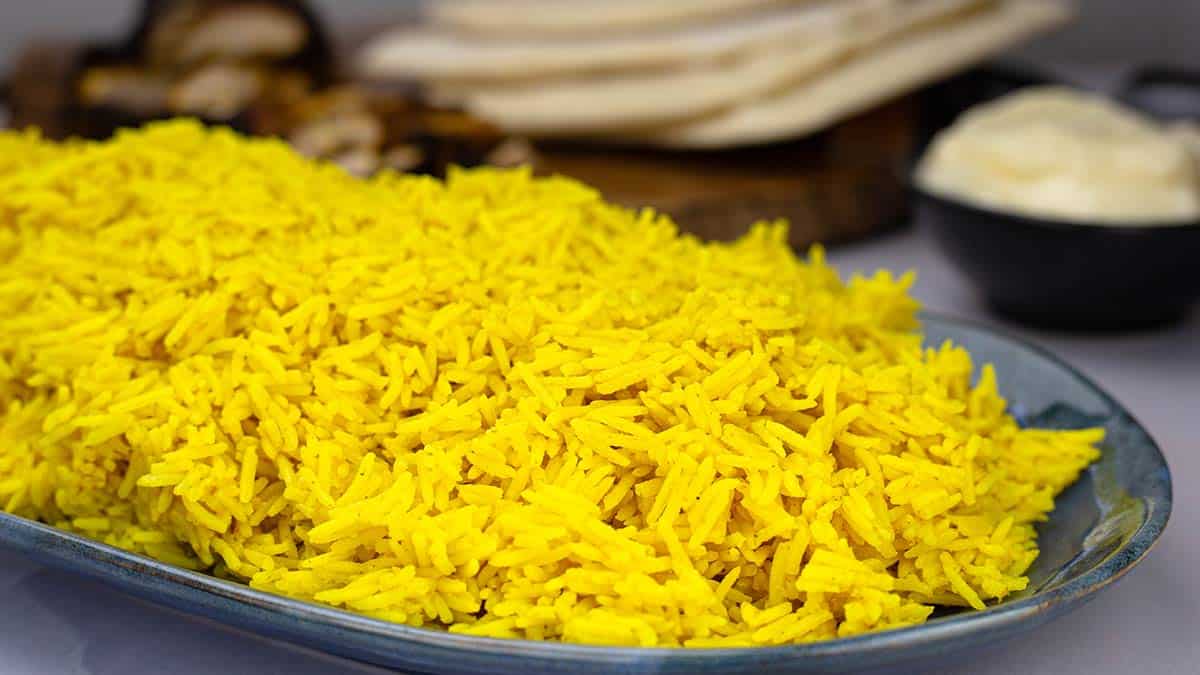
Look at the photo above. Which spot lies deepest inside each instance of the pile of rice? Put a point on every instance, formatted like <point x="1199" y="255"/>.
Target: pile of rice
<point x="496" y="404"/>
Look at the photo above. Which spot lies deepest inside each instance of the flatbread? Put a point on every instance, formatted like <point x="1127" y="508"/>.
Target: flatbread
<point x="868" y="80"/>
<point x="594" y="105"/>
<point x="432" y="53"/>
<point x="630" y="102"/>
<point x="581" y="17"/>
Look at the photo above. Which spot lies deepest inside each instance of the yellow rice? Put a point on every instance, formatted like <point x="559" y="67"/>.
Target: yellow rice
<point x="496" y="404"/>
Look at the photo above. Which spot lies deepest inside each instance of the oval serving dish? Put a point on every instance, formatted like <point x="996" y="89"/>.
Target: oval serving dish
<point x="1101" y="527"/>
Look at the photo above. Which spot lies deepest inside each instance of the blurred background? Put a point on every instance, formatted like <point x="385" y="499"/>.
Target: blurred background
<point x="769" y="108"/>
<point x="1107" y="31"/>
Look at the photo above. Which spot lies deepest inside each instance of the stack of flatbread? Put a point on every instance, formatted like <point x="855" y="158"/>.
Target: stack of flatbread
<point x="692" y="73"/>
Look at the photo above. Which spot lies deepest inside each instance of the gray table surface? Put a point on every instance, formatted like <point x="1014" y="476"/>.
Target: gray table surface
<point x="1147" y="624"/>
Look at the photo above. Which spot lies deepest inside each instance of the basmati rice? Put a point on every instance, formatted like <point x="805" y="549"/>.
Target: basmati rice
<point x="496" y="404"/>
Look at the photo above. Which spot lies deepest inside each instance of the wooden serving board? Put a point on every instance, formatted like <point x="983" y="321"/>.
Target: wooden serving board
<point x="843" y="184"/>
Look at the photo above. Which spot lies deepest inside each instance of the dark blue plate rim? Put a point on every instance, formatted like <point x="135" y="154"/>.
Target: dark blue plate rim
<point x="242" y="606"/>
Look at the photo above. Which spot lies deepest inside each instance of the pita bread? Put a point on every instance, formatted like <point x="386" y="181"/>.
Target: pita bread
<point x="432" y="53"/>
<point x="592" y="105"/>
<point x="870" y="79"/>
<point x="630" y="102"/>
<point x="581" y="17"/>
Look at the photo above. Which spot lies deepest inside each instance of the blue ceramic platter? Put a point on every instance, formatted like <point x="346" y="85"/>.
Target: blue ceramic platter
<point x="1102" y="526"/>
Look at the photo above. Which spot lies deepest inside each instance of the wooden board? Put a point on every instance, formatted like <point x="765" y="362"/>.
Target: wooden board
<point x="839" y="185"/>
<point x="843" y="184"/>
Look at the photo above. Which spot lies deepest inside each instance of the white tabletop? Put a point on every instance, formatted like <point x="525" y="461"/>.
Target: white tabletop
<point x="1147" y="624"/>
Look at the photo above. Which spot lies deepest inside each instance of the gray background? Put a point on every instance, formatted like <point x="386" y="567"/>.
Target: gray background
<point x="1148" y="624"/>
<point x="1107" y="31"/>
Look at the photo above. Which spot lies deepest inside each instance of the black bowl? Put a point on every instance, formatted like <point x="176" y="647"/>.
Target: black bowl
<point x="1069" y="275"/>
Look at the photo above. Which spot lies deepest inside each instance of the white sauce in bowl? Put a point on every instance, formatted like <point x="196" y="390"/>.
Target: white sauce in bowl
<point x="1057" y="153"/>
